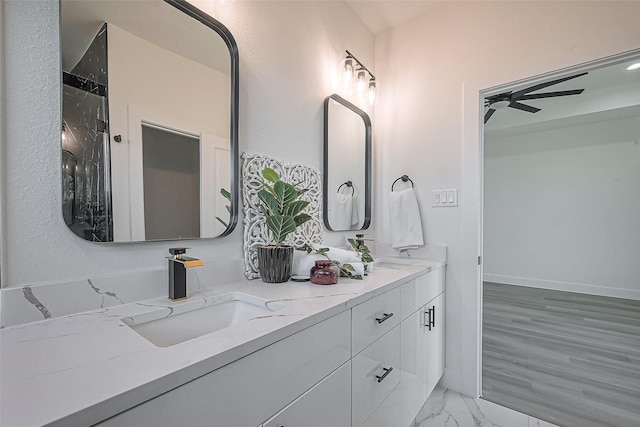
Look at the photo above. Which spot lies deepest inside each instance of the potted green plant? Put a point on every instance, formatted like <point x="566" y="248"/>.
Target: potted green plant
<point x="282" y="207"/>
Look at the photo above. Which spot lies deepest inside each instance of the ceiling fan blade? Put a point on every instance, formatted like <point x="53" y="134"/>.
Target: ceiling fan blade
<point x="519" y="106"/>
<point x="543" y="85"/>
<point x="550" y="94"/>
<point x="488" y="114"/>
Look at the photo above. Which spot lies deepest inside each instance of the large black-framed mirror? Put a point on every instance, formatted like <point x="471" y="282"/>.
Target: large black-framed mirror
<point x="347" y="166"/>
<point x="149" y="122"/>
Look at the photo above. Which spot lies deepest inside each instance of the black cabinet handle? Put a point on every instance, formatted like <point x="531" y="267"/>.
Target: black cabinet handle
<point x="433" y="316"/>
<point x="387" y="371"/>
<point x="383" y="318"/>
<point x="431" y="322"/>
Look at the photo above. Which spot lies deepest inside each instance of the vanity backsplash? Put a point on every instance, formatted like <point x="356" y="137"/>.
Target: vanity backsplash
<point x="28" y="303"/>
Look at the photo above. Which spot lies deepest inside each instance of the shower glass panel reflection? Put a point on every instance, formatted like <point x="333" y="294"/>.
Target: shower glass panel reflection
<point x="86" y="174"/>
<point x="171" y="175"/>
<point x="86" y="184"/>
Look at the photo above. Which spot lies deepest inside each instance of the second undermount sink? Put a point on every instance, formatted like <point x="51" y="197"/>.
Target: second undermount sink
<point x="397" y="263"/>
<point x="191" y="319"/>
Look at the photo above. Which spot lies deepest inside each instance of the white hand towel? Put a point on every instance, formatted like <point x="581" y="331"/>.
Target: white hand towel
<point x="342" y="212"/>
<point x="354" y="211"/>
<point x="406" y="227"/>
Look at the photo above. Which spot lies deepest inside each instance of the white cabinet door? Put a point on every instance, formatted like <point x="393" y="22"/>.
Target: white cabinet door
<point x="435" y="310"/>
<point x="413" y="367"/>
<point x="375" y="375"/>
<point x="326" y="404"/>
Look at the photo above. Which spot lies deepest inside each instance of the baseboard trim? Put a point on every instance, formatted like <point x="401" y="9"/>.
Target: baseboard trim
<point x="564" y="286"/>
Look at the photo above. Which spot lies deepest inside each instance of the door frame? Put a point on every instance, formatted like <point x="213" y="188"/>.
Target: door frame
<point x="474" y="92"/>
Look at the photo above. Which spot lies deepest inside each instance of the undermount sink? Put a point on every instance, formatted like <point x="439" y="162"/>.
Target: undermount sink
<point x="191" y="319"/>
<point x="399" y="263"/>
<point x="392" y="265"/>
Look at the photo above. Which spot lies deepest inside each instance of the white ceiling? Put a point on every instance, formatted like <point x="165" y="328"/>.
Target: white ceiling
<point x="381" y="15"/>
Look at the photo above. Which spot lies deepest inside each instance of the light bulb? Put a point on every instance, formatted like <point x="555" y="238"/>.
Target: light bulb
<point x="372" y="91"/>
<point x="635" y="66"/>
<point x="348" y="70"/>
<point x="361" y="80"/>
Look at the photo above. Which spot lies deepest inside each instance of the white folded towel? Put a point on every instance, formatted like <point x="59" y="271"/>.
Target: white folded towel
<point x="354" y="211"/>
<point x="341" y="216"/>
<point x="406" y="227"/>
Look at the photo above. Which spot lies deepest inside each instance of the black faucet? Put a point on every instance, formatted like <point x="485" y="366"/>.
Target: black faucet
<point x="178" y="265"/>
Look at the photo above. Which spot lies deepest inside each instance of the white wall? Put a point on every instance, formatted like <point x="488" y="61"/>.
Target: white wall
<point x="289" y="56"/>
<point x="561" y="208"/>
<point x="431" y="70"/>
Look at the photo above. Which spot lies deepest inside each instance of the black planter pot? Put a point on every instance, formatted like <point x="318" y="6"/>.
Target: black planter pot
<point x="275" y="263"/>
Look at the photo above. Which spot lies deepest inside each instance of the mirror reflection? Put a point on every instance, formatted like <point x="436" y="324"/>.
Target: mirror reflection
<point x="149" y="132"/>
<point x="347" y="166"/>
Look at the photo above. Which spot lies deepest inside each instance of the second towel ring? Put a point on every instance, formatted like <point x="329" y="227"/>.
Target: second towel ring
<point x="348" y="184"/>
<point x="404" y="178"/>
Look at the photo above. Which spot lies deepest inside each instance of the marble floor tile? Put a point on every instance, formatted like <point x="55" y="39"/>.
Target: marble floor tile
<point x="446" y="408"/>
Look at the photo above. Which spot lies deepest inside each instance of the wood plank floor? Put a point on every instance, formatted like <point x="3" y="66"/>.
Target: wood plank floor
<point x="567" y="358"/>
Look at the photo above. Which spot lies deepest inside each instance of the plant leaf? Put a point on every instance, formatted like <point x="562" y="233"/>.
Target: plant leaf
<point x="285" y="194"/>
<point x="269" y="202"/>
<point x="367" y="258"/>
<point x="223" y="223"/>
<point x="295" y="207"/>
<point x="305" y="248"/>
<point x="225" y="194"/>
<point x="301" y="219"/>
<point x="270" y="175"/>
<point x="280" y="226"/>
<point x="348" y="267"/>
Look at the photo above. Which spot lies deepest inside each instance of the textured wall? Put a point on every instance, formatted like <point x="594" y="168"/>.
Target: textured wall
<point x="289" y="51"/>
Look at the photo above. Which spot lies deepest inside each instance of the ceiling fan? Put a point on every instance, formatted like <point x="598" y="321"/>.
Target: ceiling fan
<point x="512" y="99"/>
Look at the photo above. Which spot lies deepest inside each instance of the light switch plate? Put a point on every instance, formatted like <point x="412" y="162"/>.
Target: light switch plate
<point x="445" y="198"/>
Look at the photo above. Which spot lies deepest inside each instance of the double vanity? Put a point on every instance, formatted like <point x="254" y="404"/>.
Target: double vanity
<point x="359" y="353"/>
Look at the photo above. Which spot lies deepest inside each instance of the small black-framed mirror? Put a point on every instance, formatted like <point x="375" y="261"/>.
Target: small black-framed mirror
<point x="150" y="120"/>
<point x="347" y="166"/>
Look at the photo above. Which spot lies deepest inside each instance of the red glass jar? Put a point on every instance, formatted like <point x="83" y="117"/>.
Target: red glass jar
<point x="324" y="273"/>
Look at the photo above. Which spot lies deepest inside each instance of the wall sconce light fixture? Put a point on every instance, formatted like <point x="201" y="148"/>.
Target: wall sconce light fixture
<point x="354" y="68"/>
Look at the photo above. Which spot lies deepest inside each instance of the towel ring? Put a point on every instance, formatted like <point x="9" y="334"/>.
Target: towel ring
<point x="404" y="178"/>
<point x="348" y="184"/>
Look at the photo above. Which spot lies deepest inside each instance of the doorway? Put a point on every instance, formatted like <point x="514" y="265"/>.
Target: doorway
<point x="561" y="299"/>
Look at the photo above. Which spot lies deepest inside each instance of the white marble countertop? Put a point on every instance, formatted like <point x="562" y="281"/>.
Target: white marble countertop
<point x="83" y="368"/>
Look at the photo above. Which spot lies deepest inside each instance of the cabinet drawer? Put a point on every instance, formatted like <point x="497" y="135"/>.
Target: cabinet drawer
<point x="388" y="413"/>
<point x="421" y="290"/>
<point x="369" y="387"/>
<point x="326" y="404"/>
<point x="374" y="318"/>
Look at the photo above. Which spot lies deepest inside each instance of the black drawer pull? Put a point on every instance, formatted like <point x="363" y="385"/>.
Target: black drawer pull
<point x="383" y="318"/>
<point x="387" y="371"/>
